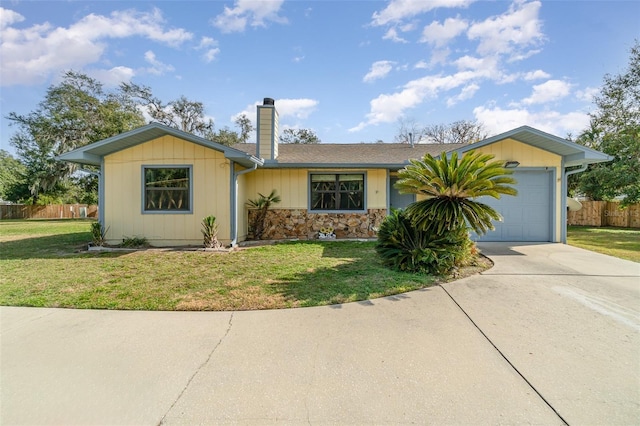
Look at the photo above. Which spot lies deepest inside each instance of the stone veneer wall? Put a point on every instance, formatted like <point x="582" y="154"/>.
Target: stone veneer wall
<point x="299" y="223"/>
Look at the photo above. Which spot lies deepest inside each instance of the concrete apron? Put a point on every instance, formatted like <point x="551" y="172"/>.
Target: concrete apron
<point x="569" y="320"/>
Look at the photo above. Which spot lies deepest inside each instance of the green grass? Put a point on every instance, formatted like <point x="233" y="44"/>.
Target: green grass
<point x="44" y="264"/>
<point x="619" y="242"/>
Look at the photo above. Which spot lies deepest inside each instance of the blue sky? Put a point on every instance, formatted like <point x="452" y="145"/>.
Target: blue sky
<point x="349" y="70"/>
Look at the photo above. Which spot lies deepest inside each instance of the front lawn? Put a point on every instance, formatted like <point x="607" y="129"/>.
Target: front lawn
<point x="44" y="264"/>
<point x="619" y="242"/>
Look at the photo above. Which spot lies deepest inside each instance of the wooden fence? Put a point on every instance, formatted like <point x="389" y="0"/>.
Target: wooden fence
<point x="605" y="213"/>
<point x="53" y="211"/>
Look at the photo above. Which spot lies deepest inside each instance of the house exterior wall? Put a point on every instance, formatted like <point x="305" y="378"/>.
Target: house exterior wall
<point x="531" y="157"/>
<point x="293" y="187"/>
<point x="210" y="188"/>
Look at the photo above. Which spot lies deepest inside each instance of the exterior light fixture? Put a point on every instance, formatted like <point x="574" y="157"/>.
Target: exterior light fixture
<point x="511" y="164"/>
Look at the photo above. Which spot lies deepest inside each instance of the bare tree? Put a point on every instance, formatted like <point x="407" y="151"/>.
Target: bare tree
<point x="409" y="130"/>
<point x="462" y="131"/>
<point x="182" y="113"/>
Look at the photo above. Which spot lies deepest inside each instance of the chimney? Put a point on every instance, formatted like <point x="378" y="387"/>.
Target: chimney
<point x="267" y="125"/>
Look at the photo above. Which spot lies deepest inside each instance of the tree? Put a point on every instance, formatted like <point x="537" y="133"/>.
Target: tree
<point x="74" y="113"/>
<point x="13" y="186"/>
<point x="300" y="136"/>
<point x="614" y="129"/>
<point x="185" y="115"/>
<point x="462" y="131"/>
<point x="244" y="123"/>
<point x="181" y="113"/>
<point x="409" y="131"/>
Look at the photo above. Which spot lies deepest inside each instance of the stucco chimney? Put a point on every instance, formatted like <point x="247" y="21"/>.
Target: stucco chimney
<point x="267" y="125"/>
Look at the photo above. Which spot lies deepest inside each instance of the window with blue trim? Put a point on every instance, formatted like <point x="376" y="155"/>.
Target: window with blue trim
<point x="332" y="191"/>
<point x="167" y="189"/>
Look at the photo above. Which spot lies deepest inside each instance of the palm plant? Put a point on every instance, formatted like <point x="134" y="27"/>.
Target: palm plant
<point x="404" y="247"/>
<point x="451" y="187"/>
<point x="261" y="204"/>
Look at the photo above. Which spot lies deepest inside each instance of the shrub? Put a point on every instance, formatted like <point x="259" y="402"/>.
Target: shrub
<point x="210" y="232"/>
<point x="98" y="234"/>
<point x="134" y="242"/>
<point x="404" y="247"/>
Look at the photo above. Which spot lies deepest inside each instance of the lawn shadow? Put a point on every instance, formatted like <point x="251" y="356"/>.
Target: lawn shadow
<point x="359" y="278"/>
<point x="70" y="245"/>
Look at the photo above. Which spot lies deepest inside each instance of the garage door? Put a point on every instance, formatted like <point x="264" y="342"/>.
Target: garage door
<point x="527" y="216"/>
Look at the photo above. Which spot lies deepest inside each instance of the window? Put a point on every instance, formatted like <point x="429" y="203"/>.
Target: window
<point x="337" y="191"/>
<point x="167" y="189"/>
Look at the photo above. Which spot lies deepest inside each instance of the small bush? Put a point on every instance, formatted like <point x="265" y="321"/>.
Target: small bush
<point x="134" y="242"/>
<point x="98" y="234"/>
<point x="405" y="248"/>
<point x="210" y="232"/>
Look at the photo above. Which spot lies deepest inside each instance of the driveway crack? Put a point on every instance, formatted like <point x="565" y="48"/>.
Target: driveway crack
<point x="200" y="367"/>
<point x="505" y="357"/>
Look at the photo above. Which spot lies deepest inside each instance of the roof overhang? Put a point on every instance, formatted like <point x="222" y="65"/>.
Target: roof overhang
<point x="573" y="154"/>
<point x="94" y="153"/>
<point x="389" y="166"/>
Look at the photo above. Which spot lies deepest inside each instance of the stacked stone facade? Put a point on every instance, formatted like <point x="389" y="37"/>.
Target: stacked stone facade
<point x="284" y="224"/>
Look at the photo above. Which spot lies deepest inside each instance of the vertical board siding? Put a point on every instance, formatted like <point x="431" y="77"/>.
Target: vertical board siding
<point x="529" y="156"/>
<point x="124" y="197"/>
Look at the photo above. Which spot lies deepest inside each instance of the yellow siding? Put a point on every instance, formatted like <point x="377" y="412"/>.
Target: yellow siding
<point x="293" y="186"/>
<point x="265" y="131"/>
<point x="529" y="156"/>
<point x="123" y="193"/>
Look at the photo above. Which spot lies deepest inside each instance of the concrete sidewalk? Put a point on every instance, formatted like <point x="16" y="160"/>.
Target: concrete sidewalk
<point x="411" y="358"/>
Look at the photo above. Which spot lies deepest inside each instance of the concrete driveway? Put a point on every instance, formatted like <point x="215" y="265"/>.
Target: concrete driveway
<point x="550" y="335"/>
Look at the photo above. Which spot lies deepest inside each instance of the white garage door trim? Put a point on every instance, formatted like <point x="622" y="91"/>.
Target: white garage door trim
<point x="529" y="216"/>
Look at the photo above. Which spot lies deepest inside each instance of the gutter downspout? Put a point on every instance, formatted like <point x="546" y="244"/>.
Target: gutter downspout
<point x="565" y="183"/>
<point x="234" y="199"/>
<point x="100" y="191"/>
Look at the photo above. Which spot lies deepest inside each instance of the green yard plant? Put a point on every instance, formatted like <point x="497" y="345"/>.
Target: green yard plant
<point x="98" y="234"/>
<point x="210" y="233"/>
<point x="432" y="234"/>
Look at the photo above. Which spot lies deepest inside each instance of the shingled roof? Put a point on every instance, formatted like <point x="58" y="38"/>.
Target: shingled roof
<point x="384" y="155"/>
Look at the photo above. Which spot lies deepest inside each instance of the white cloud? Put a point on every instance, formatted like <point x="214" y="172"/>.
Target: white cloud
<point x="31" y="55"/>
<point x="510" y="33"/>
<point x="497" y="120"/>
<point x="157" y="67"/>
<point x="397" y="10"/>
<point x="467" y="92"/>
<point x="298" y="109"/>
<point x="114" y="76"/>
<point x="387" y="108"/>
<point x="587" y="94"/>
<point x="439" y="34"/>
<point x="536" y="75"/>
<point x="421" y="65"/>
<point x="392" y="34"/>
<point x="248" y="12"/>
<point x="209" y="45"/>
<point x="8" y="17"/>
<point x="548" y="91"/>
<point x="378" y="70"/>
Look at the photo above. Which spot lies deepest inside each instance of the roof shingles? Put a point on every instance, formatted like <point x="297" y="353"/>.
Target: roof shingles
<point x="361" y="154"/>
